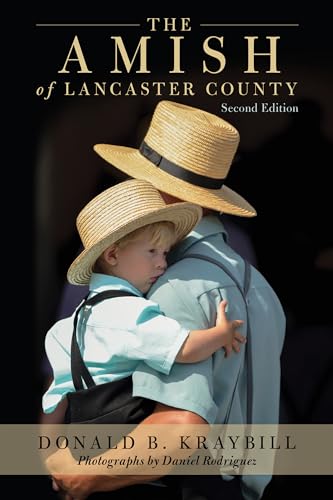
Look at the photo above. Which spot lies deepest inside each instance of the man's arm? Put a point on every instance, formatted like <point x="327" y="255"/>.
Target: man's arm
<point x="62" y="466"/>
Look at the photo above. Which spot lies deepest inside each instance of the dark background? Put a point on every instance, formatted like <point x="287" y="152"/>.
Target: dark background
<point x="283" y="169"/>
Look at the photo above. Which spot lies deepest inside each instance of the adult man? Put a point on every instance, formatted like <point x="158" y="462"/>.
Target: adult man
<point x="187" y="154"/>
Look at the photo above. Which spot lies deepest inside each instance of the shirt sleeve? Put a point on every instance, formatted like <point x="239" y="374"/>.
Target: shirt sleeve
<point x="157" y="339"/>
<point x="188" y="386"/>
<point x="57" y="348"/>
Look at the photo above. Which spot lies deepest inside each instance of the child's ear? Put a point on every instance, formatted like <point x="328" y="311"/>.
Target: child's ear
<point x="110" y="255"/>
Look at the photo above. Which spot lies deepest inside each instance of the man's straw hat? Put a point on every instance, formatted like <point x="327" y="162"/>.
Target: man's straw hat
<point x="118" y="211"/>
<point x="186" y="153"/>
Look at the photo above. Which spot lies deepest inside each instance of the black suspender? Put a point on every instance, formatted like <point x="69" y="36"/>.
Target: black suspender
<point x="79" y="370"/>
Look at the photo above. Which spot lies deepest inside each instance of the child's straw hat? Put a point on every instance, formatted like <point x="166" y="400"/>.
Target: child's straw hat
<point x="118" y="211"/>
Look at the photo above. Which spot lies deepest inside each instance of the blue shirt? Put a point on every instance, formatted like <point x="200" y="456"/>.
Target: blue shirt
<point x="114" y="336"/>
<point x="189" y="291"/>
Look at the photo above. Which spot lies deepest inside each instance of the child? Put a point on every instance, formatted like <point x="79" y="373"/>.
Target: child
<point x="127" y="232"/>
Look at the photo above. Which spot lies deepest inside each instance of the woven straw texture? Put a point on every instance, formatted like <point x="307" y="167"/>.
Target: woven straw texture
<point x="196" y="141"/>
<point x="117" y="212"/>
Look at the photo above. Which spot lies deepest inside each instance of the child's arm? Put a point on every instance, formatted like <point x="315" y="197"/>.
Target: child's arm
<point x="200" y="344"/>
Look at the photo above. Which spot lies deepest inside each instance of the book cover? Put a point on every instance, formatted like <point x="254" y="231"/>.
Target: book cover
<point x="97" y="79"/>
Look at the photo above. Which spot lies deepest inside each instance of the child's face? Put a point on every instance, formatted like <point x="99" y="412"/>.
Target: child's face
<point x="141" y="262"/>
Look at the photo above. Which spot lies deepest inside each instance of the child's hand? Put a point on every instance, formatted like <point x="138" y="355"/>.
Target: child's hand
<point x="229" y="329"/>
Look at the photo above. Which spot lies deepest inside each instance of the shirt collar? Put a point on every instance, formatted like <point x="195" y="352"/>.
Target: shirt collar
<point x="101" y="282"/>
<point x="208" y="226"/>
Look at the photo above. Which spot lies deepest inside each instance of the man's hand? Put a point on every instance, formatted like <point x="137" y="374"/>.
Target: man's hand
<point x="60" y="464"/>
<point x="79" y="486"/>
<point x="74" y="486"/>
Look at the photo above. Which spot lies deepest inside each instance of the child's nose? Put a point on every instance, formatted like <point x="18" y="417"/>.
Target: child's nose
<point x="162" y="263"/>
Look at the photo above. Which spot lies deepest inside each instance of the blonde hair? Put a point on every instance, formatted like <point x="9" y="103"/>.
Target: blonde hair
<point x="161" y="234"/>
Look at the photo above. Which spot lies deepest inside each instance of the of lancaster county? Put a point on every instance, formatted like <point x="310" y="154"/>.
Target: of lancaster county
<point x="178" y="88"/>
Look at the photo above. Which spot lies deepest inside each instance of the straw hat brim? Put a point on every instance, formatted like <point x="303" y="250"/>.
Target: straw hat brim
<point x="130" y="161"/>
<point x="184" y="216"/>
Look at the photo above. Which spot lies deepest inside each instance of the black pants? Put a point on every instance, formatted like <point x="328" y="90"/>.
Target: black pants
<point x="210" y="488"/>
<point x="140" y="491"/>
<point x="179" y="488"/>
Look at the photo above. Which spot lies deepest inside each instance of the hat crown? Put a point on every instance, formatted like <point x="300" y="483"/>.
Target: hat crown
<point x="115" y="208"/>
<point x="193" y="139"/>
<point x="187" y="153"/>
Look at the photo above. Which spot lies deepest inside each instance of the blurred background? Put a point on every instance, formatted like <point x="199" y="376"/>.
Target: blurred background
<point x="283" y="167"/>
